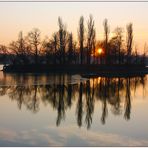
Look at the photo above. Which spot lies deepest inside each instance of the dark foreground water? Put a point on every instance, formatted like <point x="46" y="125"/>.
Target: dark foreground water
<point x="68" y="110"/>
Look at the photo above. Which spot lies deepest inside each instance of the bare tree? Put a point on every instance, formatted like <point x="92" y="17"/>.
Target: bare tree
<point x="70" y="48"/>
<point x="90" y="38"/>
<point x="117" y="41"/>
<point x="144" y="54"/>
<point x="55" y="44"/>
<point x="62" y="39"/>
<point x="34" y="40"/>
<point x="129" y="28"/>
<point x="3" y="53"/>
<point x="136" y="55"/>
<point x="51" y="49"/>
<point x="81" y="38"/>
<point x="19" y="49"/>
<point x="48" y="51"/>
<point x="106" y="34"/>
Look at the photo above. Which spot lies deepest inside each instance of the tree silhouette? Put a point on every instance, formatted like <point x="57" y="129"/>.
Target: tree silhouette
<point x="62" y="39"/>
<point x="3" y="53"/>
<point x="55" y="44"/>
<point x="20" y="49"/>
<point x="81" y="38"/>
<point x="70" y="49"/>
<point x="34" y="40"/>
<point x="90" y="38"/>
<point x="129" y="28"/>
<point x="106" y="35"/>
<point x="118" y="34"/>
<point x="62" y="52"/>
<point x="115" y="45"/>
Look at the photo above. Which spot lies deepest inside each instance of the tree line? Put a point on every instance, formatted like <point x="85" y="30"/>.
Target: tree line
<point x="61" y="48"/>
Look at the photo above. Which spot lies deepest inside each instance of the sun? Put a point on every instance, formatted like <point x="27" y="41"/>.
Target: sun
<point x="99" y="51"/>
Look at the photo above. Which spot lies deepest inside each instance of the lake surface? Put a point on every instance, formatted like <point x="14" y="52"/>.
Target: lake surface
<point x="69" y="110"/>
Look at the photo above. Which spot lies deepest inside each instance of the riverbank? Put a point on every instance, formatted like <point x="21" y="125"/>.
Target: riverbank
<point x="78" y="68"/>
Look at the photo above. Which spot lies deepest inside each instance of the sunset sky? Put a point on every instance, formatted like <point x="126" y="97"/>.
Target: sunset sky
<point x="17" y="16"/>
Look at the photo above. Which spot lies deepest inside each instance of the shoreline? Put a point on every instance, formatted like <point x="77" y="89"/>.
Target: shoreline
<point x="78" y="68"/>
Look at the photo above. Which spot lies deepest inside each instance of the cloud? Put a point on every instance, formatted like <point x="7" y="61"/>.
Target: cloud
<point x="8" y="134"/>
<point x="32" y="137"/>
<point x="98" y="138"/>
<point x="66" y="136"/>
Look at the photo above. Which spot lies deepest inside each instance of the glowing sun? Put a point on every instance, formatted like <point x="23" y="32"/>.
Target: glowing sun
<point x="99" y="51"/>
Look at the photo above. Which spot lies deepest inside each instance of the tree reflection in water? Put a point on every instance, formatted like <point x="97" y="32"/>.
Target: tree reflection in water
<point x="80" y="106"/>
<point x="61" y="94"/>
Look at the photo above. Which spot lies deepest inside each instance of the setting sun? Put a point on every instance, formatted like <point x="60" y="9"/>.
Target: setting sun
<point x="100" y="51"/>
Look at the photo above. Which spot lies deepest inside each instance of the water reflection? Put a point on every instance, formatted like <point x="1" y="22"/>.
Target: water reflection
<point x="64" y="91"/>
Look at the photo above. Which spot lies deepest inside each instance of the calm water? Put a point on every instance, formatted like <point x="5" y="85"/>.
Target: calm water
<point x="68" y="110"/>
